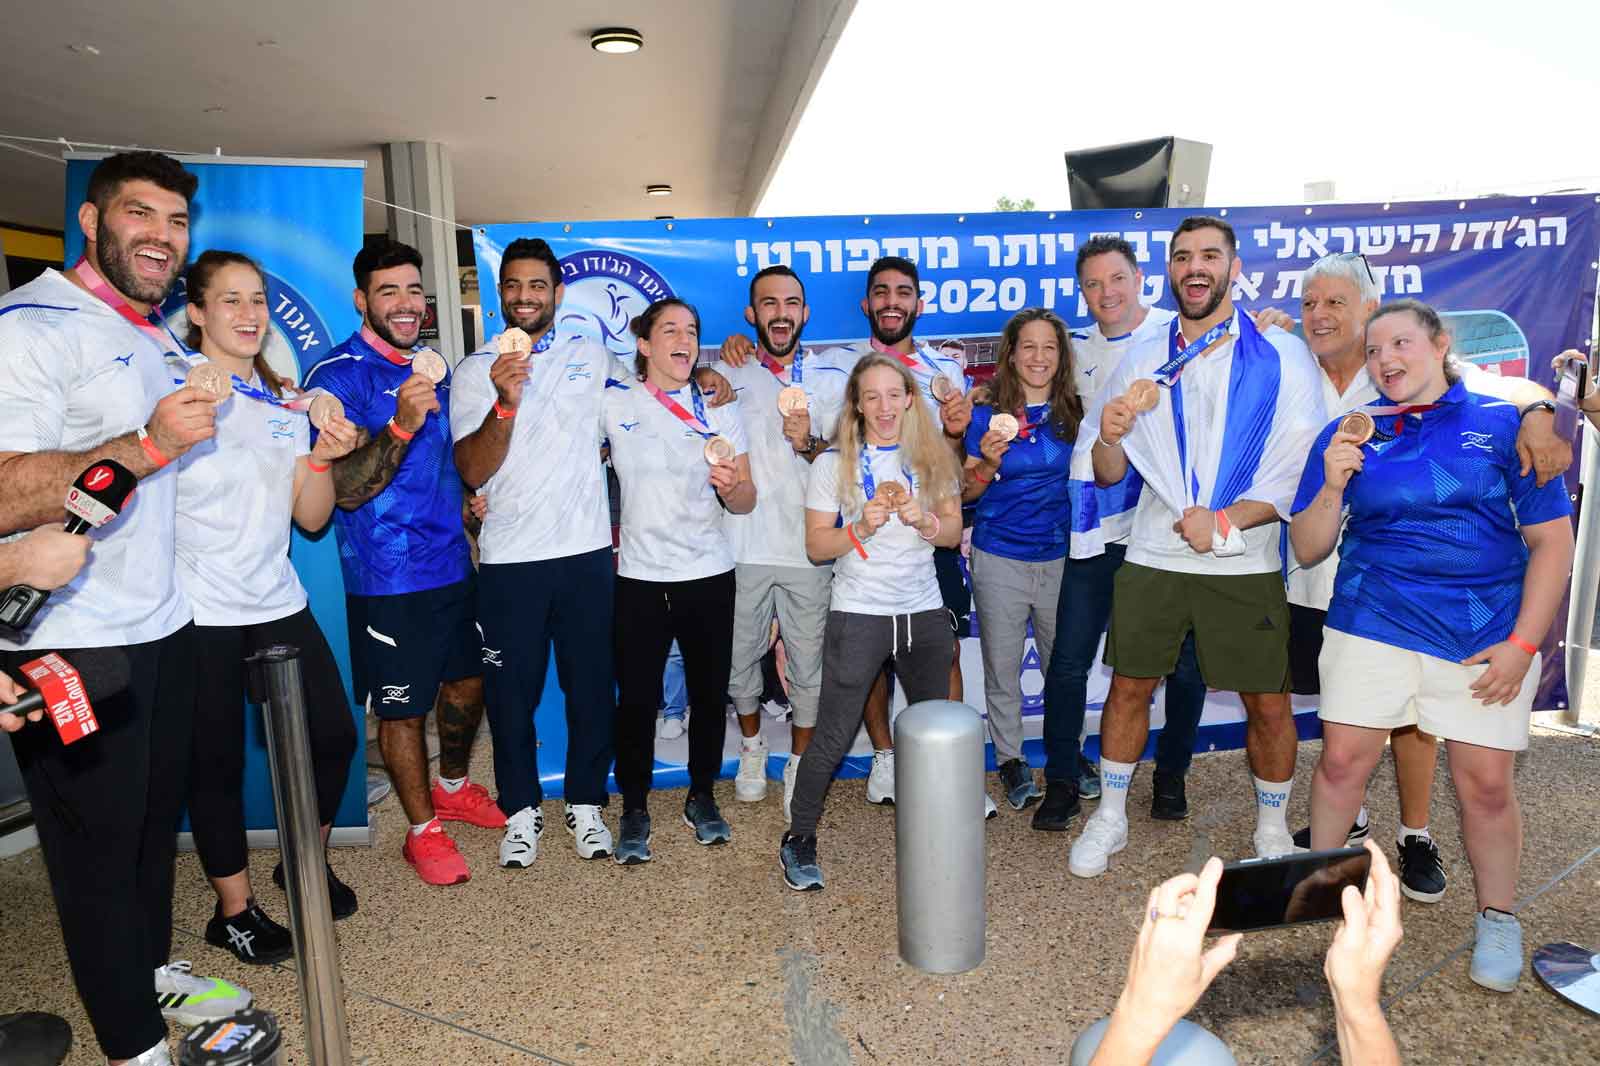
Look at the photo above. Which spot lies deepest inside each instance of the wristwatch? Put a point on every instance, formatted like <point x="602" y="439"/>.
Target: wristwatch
<point x="1541" y="405"/>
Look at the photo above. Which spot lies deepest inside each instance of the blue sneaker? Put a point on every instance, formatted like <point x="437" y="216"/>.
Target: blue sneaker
<point x="700" y="813"/>
<point x="633" y="838"/>
<point x="1017" y="780"/>
<point x="798" y="857"/>
<point x="1497" y="954"/>
<point x="1089" y="781"/>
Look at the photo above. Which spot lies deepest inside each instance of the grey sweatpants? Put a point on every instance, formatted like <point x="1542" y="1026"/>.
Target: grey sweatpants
<point x="798" y="598"/>
<point x="1008" y="594"/>
<point x="854" y="648"/>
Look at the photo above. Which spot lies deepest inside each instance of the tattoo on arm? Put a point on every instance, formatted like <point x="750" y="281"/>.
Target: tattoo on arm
<point x="367" y="471"/>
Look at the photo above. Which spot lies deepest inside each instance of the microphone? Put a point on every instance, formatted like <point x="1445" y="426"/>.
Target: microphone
<point x="95" y="498"/>
<point x="62" y="690"/>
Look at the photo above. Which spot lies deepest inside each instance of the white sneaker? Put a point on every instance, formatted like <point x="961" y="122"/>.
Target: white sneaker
<point x="880" y="782"/>
<point x="588" y="830"/>
<point x="156" y="1056"/>
<point x="520" y="846"/>
<point x="1104" y="835"/>
<point x="791" y="770"/>
<point x="670" y="728"/>
<point x="989" y="809"/>
<point x="1272" y="840"/>
<point x="190" y="1000"/>
<point x="750" y="786"/>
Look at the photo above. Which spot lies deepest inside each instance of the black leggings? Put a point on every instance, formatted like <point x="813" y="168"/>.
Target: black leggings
<point x="216" y="778"/>
<point x="649" y="614"/>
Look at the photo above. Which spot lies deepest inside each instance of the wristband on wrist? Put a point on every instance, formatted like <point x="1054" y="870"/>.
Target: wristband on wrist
<point x="936" y="527"/>
<point x="150" y="448"/>
<point x="1105" y="443"/>
<point x="502" y="412"/>
<point x="402" y="434"/>
<point x="1224" y="526"/>
<point x="1539" y="405"/>
<point x="850" y="531"/>
<point x="316" y="468"/>
<point x="978" y="476"/>
<point x="1522" y="645"/>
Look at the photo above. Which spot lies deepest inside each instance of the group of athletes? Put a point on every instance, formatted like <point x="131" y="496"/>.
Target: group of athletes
<point x="1133" y="480"/>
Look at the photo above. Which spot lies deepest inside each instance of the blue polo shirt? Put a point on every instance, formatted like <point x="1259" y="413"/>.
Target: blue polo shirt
<point x="408" y="538"/>
<point x="1023" y="514"/>
<point x="1432" y="558"/>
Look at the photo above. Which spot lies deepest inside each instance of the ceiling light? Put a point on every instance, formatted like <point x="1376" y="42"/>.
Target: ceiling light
<point x="215" y="110"/>
<point x="658" y="190"/>
<point x="616" y="40"/>
<point x="83" y="49"/>
<point x="491" y="98"/>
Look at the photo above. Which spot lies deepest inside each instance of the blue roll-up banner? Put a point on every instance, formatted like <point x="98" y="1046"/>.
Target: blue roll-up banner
<point x="302" y="221"/>
<point x="1516" y="278"/>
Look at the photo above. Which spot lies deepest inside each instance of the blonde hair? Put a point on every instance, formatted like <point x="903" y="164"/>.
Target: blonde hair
<point x="923" y="451"/>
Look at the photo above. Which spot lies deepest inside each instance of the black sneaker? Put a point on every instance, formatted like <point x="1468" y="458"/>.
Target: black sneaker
<point x="1358" y="832"/>
<point x="33" y="1038"/>
<point x="798" y="857"/>
<point x="1421" y="873"/>
<point x="341" y="897"/>
<point x="1059" y="808"/>
<point x="1168" y="802"/>
<point x="700" y="813"/>
<point x="633" y="838"/>
<point x="251" y="936"/>
<point x="1017" y="779"/>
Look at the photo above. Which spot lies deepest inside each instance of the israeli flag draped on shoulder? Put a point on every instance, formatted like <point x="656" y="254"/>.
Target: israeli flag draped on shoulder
<point x="1100" y="516"/>
<point x="1252" y="446"/>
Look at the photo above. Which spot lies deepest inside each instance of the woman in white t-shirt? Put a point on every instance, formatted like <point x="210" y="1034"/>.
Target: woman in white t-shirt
<point x="237" y="494"/>
<point x="681" y="464"/>
<point x="878" y="502"/>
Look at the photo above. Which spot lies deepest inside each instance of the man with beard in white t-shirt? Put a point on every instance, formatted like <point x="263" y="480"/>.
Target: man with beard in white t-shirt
<point x="84" y="375"/>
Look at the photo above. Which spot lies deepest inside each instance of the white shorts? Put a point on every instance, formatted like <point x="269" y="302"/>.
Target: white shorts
<point x="1380" y="686"/>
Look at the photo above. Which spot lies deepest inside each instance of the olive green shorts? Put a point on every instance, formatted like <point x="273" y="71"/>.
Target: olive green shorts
<point x="1240" y="624"/>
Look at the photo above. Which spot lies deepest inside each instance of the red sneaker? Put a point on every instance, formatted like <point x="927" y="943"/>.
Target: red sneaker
<point x="471" y="803"/>
<point x="434" y="855"/>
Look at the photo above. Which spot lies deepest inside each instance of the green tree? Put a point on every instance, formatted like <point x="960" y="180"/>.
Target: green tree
<point x="1006" y="203"/>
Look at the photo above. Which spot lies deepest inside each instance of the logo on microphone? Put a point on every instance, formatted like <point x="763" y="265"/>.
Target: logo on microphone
<point x="97" y="478"/>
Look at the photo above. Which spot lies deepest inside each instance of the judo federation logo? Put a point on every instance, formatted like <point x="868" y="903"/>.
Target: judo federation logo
<point x="605" y="290"/>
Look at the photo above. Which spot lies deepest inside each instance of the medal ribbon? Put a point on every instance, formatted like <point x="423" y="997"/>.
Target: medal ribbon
<point x="543" y="344"/>
<point x="869" y="485"/>
<point x="112" y="298"/>
<point x="1399" y="411"/>
<point x="795" y="369"/>
<point x="1024" y="427"/>
<point x="696" y="421"/>
<point x="1168" y="373"/>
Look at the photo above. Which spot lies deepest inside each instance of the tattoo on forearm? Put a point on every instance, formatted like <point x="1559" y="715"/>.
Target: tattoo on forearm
<point x="367" y="471"/>
<point x="458" y="716"/>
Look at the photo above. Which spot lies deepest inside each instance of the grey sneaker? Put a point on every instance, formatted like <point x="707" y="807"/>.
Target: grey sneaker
<point x="1497" y="954"/>
<point x="1088" y="781"/>
<point x="1017" y="779"/>
<point x="633" y="838"/>
<point x="798" y="857"/>
<point x="700" y="813"/>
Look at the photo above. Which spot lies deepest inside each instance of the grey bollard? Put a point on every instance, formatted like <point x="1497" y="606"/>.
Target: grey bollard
<point x="939" y="839"/>
<point x="275" y="681"/>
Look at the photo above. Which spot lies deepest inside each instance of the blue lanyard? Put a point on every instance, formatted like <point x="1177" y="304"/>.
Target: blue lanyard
<point x="1168" y="373"/>
<point x="543" y="343"/>
<point x="869" y="485"/>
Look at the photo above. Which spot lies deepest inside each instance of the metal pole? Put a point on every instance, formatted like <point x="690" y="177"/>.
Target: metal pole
<point x="939" y="843"/>
<point x="1585" y="578"/>
<point x="275" y="681"/>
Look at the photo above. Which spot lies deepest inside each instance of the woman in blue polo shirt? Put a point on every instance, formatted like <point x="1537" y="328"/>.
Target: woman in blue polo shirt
<point x="1451" y="569"/>
<point x="1019" y="446"/>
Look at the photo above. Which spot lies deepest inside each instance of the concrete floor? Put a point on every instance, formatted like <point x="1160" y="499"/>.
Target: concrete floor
<point x="704" y="956"/>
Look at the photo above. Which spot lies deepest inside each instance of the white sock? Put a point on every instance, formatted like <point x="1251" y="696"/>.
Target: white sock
<point x="1272" y="804"/>
<point x="418" y="830"/>
<point x="1407" y="831"/>
<point x="1115" y="777"/>
<point x="1363" y="814"/>
<point x="452" y="784"/>
<point x="794" y="760"/>
<point x="750" y="743"/>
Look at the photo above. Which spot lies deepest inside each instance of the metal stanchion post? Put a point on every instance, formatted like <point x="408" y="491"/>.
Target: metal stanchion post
<point x="275" y="681"/>
<point x="939" y="843"/>
<point x="1585" y="577"/>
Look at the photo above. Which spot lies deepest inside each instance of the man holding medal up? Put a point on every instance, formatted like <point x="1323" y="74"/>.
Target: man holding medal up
<point x="1216" y="418"/>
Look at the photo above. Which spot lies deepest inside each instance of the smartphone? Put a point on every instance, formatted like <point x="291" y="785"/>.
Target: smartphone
<point x="1286" y="889"/>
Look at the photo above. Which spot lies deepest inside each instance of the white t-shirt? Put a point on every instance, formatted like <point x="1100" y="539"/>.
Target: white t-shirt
<point x="235" y="504"/>
<point x="74" y="374"/>
<point x="927" y="364"/>
<point x="1206" y="381"/>
<point x="672" y="528"/>
<point x="1096" y="356"/>
<point x="897" y="576"/>
<point x="774" y="534"/>
<point x="548" y="499"/>
<point x="1312" y="586"/>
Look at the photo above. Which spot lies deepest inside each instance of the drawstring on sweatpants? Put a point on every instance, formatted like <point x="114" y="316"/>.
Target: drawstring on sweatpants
<point x="894" y="634"/>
